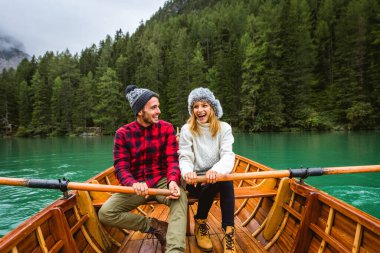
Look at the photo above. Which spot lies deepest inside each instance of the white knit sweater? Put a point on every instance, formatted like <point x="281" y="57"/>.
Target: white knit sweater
<point x="203" y="152"/>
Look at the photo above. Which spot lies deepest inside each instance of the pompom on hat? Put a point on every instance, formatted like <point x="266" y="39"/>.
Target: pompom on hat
<point x="138" y="97"/>
<point x="204" y="94"/>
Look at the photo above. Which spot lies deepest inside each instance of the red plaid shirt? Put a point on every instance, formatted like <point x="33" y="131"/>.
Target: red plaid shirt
<point x="146" y="154"/>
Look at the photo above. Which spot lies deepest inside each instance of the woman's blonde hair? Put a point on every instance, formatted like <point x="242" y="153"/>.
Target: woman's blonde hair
<point x="213" y="120"/>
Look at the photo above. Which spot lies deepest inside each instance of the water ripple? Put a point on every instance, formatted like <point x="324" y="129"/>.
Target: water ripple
<point x="357" y="196"/>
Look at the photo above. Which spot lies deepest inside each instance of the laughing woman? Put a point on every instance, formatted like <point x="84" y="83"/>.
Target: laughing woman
<point x="206" y="149"/>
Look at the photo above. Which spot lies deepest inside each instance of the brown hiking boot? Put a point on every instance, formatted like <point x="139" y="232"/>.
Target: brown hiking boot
<point x="202" y="235"/>
<point x="229" y="240"/>
<point x="159" y="229"/>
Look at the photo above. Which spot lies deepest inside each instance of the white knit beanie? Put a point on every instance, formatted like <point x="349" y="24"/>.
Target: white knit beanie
<point x="204" y="94"/>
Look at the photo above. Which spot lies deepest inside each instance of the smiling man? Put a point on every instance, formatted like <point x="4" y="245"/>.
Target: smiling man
<point x="145" y="156"/>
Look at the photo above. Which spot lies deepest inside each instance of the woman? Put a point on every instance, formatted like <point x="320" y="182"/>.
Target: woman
<point x="205" y="148"/>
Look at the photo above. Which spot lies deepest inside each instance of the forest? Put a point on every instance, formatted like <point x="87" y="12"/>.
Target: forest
<point x="275" y="65"/>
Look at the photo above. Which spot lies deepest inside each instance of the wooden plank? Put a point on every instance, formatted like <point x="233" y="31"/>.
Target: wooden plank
<point x="358" y="238"/>
<point x="247" y="243"/>
<point x="330" y="240"/>
<point x="62" y="231"/>
<point x="41" y="240"/>
<point x="293" y="212"/>
<point x="304" y="234"/>
<point x="56" y="247"/>
<point x="327" y="229"/>
<point x="351" y="212"/>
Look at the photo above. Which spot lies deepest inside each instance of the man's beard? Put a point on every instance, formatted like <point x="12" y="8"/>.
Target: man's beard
<point x="146" y="118"/>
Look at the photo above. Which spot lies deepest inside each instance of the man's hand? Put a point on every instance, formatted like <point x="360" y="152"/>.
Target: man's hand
<point x="211" y="176"/>
<point x="141" y="189"/>
<point x="191" y="178"/>
<point x="174" y="190"/>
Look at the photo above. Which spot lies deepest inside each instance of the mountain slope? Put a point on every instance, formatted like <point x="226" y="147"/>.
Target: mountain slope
<point x="10" y="53"/>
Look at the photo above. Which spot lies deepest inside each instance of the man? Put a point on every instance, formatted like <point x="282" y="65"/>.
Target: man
<point x="145" y="156"/>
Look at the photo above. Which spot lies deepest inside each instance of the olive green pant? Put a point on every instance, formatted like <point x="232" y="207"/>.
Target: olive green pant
<point x="116" y="213"/>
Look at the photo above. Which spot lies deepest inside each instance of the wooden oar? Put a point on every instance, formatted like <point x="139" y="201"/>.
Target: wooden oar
<point x="302" y="173"/>
<point x="64" y="185"/>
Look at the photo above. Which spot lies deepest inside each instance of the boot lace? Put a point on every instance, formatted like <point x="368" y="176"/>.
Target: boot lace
<point x="229" y="241"/>
<point x="204" y="229"/>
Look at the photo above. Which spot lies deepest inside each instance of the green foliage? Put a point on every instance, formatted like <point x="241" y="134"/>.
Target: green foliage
<point x="108" y="102"/>
<point x="360" y="115"/>
<point x="274" y="65"/>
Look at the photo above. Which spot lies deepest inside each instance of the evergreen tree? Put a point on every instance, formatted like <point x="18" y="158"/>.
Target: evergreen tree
<point x="350" y="88"/>
<point x="24" y="105"/>
<point x="84" y="103"/>
<point x="297" y="61"/>
<point x="198" y="69"/>
<point x="8" y="101"/>
<point x="262" y="106"/>
<point x="274" y="65"/>
<point x="88" y="60"/>
<point x="109" y="102"/>
<point x="41" y="105"/>
<point x="105" y="56"/>
<point x="57" y="105"/>
<point x="150" y="71"/>
<point x="373" y="57"/>
<point x="67" y="94"/>
<point x="178" y="87"/>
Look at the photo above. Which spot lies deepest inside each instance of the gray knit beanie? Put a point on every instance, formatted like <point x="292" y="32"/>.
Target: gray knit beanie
<point x="204" y="94"/>
<point x="138" y="97"/>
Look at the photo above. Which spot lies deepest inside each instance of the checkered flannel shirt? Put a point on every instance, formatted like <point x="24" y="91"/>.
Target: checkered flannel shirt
<point x="146" y="154"/>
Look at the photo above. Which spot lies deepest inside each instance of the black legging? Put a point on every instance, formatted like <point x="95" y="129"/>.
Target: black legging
<point x="206" y="195"/>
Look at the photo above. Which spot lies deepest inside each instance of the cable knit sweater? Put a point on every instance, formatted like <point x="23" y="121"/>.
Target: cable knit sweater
<point x="203" y="152"/>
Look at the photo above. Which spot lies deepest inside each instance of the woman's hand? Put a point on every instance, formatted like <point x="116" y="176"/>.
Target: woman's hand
<point x="211" y="176"/>
<point x="191" y="178"/>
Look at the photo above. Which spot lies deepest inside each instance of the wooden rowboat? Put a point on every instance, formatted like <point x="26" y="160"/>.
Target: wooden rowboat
<point x="273" y="213"/>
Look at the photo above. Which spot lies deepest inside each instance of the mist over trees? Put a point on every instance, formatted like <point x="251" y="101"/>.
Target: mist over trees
<point x="274" y="65"/>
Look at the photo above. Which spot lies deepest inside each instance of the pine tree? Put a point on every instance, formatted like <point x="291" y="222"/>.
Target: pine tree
<point x="198" y="69"/>
<point x="297" y="61"/>
<point x="109" y="102"/>
<point x="84" y="103"/>
<point x="262" y="106"/>
<point x="88" y="60"/>
<point x="41" y="105"/>
<point x="178" y="87"/>
<point x="24" y="105"/>
<point x="350" y="88"/>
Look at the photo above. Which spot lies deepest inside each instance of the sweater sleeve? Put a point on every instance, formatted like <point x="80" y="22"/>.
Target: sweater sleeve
<point x="227" y="156"/>
<point x="186" y="154"/>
